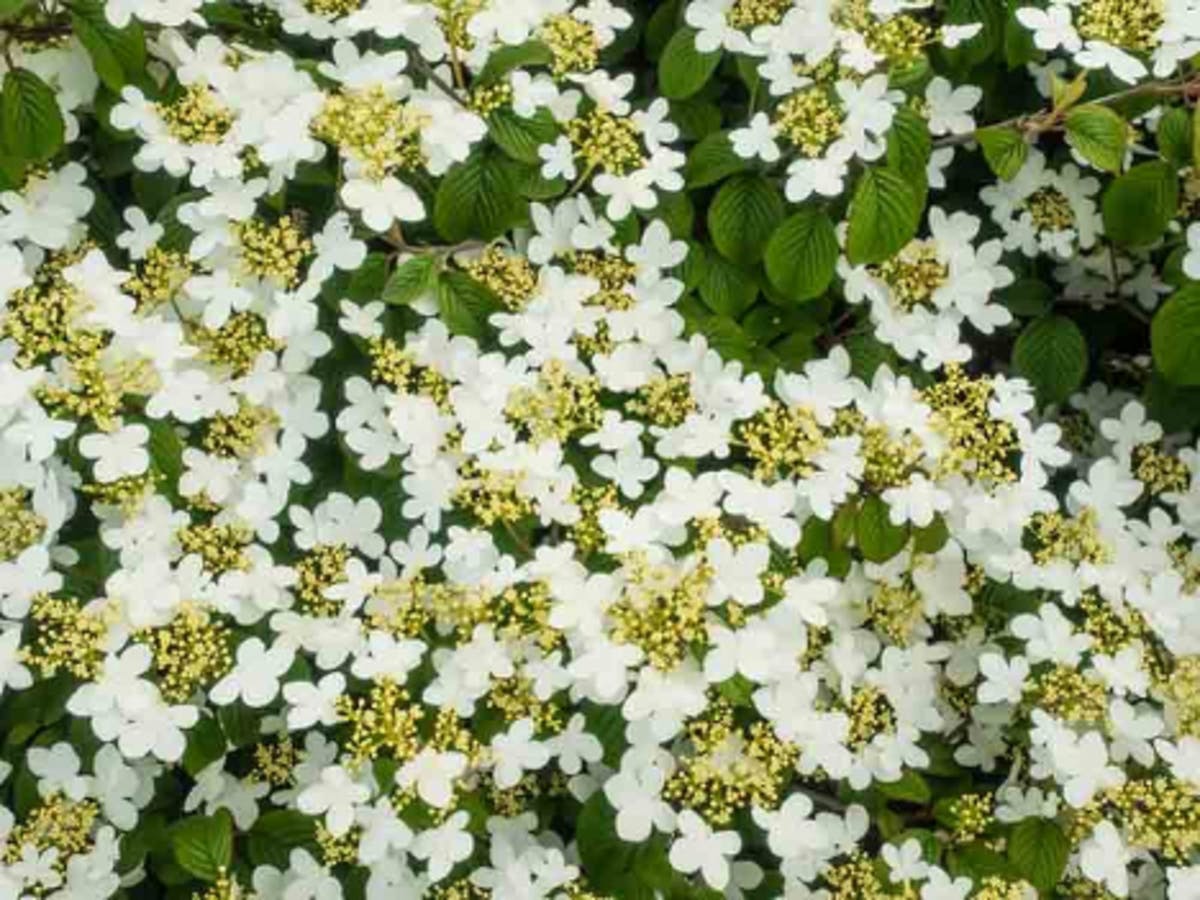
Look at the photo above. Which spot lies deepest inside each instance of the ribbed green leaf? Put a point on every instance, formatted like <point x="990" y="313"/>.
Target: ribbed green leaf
<point x="802" y="255"/>
<point x="682" y="69"/>
<point x="745" y="211"/>
<point x="1052" y="354"/>
<point x="1139" y="205"/>
<point x="884" y="216"/>
<point x="30" y="122"/>
<point x="1175" y="338"/>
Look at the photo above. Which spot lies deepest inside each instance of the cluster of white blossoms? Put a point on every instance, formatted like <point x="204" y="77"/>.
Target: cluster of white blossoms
<point x="346" y="553"/>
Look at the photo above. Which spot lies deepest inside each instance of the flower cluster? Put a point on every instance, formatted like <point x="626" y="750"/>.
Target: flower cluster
<point x="471" y="449"/>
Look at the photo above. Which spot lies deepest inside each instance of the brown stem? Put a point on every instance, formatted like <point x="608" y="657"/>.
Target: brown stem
<point x="1052" y="119"/>
<point x="437" y="80"/>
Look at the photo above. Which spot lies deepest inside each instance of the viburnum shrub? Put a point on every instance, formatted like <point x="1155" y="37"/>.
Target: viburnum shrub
<point x="532" y="449"/>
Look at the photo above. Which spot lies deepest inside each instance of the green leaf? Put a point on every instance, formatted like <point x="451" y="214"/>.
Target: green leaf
<point x="276" y="833"/>
<point x="884" y="216"/>
<point x="464" y="304"/>
<point x="932" y="537"/>
<point x="514" y="56"/>
<point x="1139" y="205"/>
<point x="1099" y="134"/>
<point x="742" y="216"/>
<point x="478" y="198"/>
<point x="630" y="871"/>
<point x="166" y="450"/>
<point x="682" y="69"/>
<point x="909" y="145"/>
<point x="911" y="788"/>
<point x="1175" y="137"/>
<point x="1038" y="850"/>
<point x="241" y="724"/>
<point x="519" y="136"/>
<point x="205" y="745"/>
<point x="877" y="538"/>
<point x="31" y="125"/>
<point x="368" y="280"/>
<point x="727" y="288"/>
<point x="726" y="337"/>
<point x="711" y="160"/>
<point x="802" y="254"/>
<point x="659" y="28"/>
<point x="1052" y="354"/>
<point x="1065" y="94"/>
<point x="1005" y="150"/>
<point x="411" y="280"/>
<point x="203" y="845"/>
<point x="10" y="8"/>
<point x="118" y="54"/>
<point x="1175" y="338"/>
<point x="1027" y="297"/>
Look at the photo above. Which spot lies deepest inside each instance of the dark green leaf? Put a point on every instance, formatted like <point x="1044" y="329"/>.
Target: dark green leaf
<point x="276" y="833"/>
<point x="802" y="254"/>
<point x="884" y="216"/>
<point x="1038" y="850"/>
<point x="909" y="145"/>
<point x="1175" y="137"/>
<point x="711" y="160"/>
<point x="745" y="211"/>
<point x="30" y="122"/>
<point x="1175" y="338"/>
<point x="514" y="56"/>
<point x="464" y="304"/>
<point x="682" y="69"/>
<point x="1052" y="354"/>
<point x="203" y="845"/>
<point x="727" y="288"/>
<point x="519" y="136"/>
<point x="118" y="54"/>
<point x="1139" y="205"/>
<point x="412" y="279"/>
<point x="877" y="538"/>
<point x="478" y="198"/>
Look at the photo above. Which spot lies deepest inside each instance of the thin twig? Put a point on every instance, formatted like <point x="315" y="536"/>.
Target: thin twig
<point x="1052" y="119"/>
<point x="438" y="81"/>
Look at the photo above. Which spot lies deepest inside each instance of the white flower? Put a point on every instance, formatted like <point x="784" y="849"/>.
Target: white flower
<point x="636" y="796"/>
<point x="950" y="106"/>
<point x="118" y="453"/>
<point x="1104" y="859"/>
<point x="255" y="678"/>
<point x="516" y="751"/>
<point x="756" y="140"/>
<point x="142" y="234"/>
<point x="906" y="862"/>
<point x="558" y="160"/>
<point x="334" y="795"/>
<point x="941" y="886"/>
<point x="13" y="673"/>
<point x="57" y="769"/>
<point x="699" y="848"/>
<point x="383" y="202"/>
<point x="917" y="501"/>
<point x="444" y="846"/>
<point x="1004" y="679"/>
<point x="433" y="773"/>
<point x="311" y="704"/>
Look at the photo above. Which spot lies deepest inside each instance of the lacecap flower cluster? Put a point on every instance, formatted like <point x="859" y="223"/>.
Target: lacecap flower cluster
<point x="382" y="517"/>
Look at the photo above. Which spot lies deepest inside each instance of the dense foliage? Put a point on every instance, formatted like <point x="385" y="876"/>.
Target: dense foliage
<point x="529" y="449"/>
